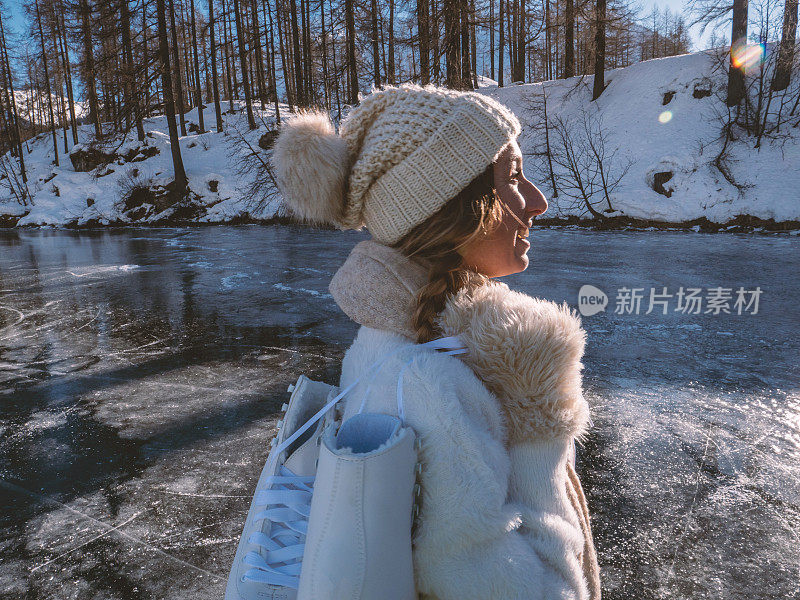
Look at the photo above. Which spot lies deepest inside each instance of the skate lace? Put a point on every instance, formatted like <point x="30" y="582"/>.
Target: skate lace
<point x="287" y="496"/>
<point x="286" y="503"/>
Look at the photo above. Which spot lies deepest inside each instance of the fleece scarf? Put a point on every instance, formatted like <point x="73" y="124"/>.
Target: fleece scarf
<point x="527" y="351"/>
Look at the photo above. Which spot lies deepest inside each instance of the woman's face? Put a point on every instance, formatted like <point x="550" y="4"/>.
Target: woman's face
<point x="504" y="251"/>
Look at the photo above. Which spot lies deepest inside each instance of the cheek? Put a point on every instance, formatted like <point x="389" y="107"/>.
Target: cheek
<point x="497" y="255"/>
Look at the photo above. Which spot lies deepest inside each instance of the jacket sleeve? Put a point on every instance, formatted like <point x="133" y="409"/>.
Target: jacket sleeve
<point x="550" y="523"/>
<point x="469" y="543"/>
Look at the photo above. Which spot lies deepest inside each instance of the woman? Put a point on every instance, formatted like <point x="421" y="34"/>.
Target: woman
<point x="436" y="177"/>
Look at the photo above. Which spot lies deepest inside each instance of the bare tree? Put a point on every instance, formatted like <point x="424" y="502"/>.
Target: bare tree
<point x="423" y="28"/>
<point x="599" y="49"/>
<point x="212" y="23"/>
<point x="198" y="92"/>
<point x="181" y="180"/>
<point x="240" y="36"/>
<point x="8" y="80"/>
<point x="569" y="39"/>
<point x="786" y="57"/>
<point x="376" y="63"/>
<point x="501" y="45"/>
<point x="47" y="80"/>
<point x="351" y="50"/>
<point x="176" y="64"/>
<point x="738" y="41"/>
<point x="588" y="171"/>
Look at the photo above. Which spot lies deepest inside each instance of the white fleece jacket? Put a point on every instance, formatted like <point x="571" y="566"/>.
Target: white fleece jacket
<point x="497" y="519"/>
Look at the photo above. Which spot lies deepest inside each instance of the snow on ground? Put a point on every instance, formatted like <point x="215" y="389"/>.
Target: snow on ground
<point x="64" y="196"/>
<point x="29" y="103"/>
<point x="673" y="142"/>
<point x="678" y="137"/>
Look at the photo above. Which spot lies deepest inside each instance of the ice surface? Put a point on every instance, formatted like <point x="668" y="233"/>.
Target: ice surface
<point x="137" y="404"/>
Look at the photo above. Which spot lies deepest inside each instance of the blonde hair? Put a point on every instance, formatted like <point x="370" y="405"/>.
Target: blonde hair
<point x="435" y="242"/>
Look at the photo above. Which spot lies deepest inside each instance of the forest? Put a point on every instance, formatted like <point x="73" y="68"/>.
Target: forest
<point x="112" y="64"/>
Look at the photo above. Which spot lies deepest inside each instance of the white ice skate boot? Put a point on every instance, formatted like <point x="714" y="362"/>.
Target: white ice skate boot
<point x="359" y="536"/>
<point x="270" y="551"/>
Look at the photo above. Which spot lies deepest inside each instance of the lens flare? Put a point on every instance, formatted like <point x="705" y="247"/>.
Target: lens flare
<point x="745" y="56"/>
<point x="665" y="117"/>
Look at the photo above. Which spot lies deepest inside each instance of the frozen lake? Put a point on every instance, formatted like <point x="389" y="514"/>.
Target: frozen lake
<point x="141" y="372"/>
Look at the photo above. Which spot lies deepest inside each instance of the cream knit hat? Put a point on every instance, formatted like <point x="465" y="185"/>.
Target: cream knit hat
<point x="399" y="157"/>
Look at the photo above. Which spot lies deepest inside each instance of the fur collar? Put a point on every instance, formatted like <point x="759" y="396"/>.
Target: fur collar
<point x="526" y="350"/>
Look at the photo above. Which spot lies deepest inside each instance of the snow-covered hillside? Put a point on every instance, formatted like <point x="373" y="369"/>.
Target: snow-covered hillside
<point x="657" y="125"/>
<point x="62" y="195"/>
<point x="662" y="118"/>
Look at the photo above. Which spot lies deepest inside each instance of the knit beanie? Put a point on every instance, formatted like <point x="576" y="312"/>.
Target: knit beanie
<point x="399" y="156"/>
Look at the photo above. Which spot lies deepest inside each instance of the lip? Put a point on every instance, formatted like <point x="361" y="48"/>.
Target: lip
<point x="524" y="244"/>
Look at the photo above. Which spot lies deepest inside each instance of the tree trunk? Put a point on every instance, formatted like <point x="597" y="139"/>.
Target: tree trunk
<point x="287" y="77"/>
<point x="169" y="103"/>
<point x="212" y="23"/>
<point x="335" y="69"/>
<point x="452" y="13"/>
<point x="227" y="47"/>
<point x="736" y="88"/>
<point x="199" y="97"/>
<point x="519" y="63"/>
<point x="351" y="50"/>
<point x="423" y="23"/>
<point x="491" y="39"/>
<point x="390" y="74"/>
<point x="783" y="69"/>
<point x="501" y="44"/>
<point x="308" y="59"/>
<point x="240" y="36"/>
<point x="47" y="82"/>
<point x="473" y="17"/>
<point x="599" y="50"/>
<point x="68" y="72"/>
<point x="145" y="104"/>
<point x="88" y="66"/>
<point x="512" y="38"/>
<point x="177" y="66"/>
<point x="131" y="94"/>
<point x="383" y="44"/>
<point x="434" y="40"/>
<point x="323" y="33"/>
<point x="569" y="39"/>
<point x="273" y="74"/>
<point x="262" y="82"/>
<point x="298" y="66"/>
<point x="376" y="57"/>
<point x="15" y="114"/>
<point x="466" y="68"/>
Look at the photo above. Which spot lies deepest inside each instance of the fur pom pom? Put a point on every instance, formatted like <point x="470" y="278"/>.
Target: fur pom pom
<point x="312" y="163"/>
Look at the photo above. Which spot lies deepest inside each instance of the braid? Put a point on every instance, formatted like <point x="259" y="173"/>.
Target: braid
<point x="445" y="277"/>
<point x="474" y="211"/>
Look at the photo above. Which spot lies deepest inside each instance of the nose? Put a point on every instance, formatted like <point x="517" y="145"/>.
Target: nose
<point x="535" y="202"/>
